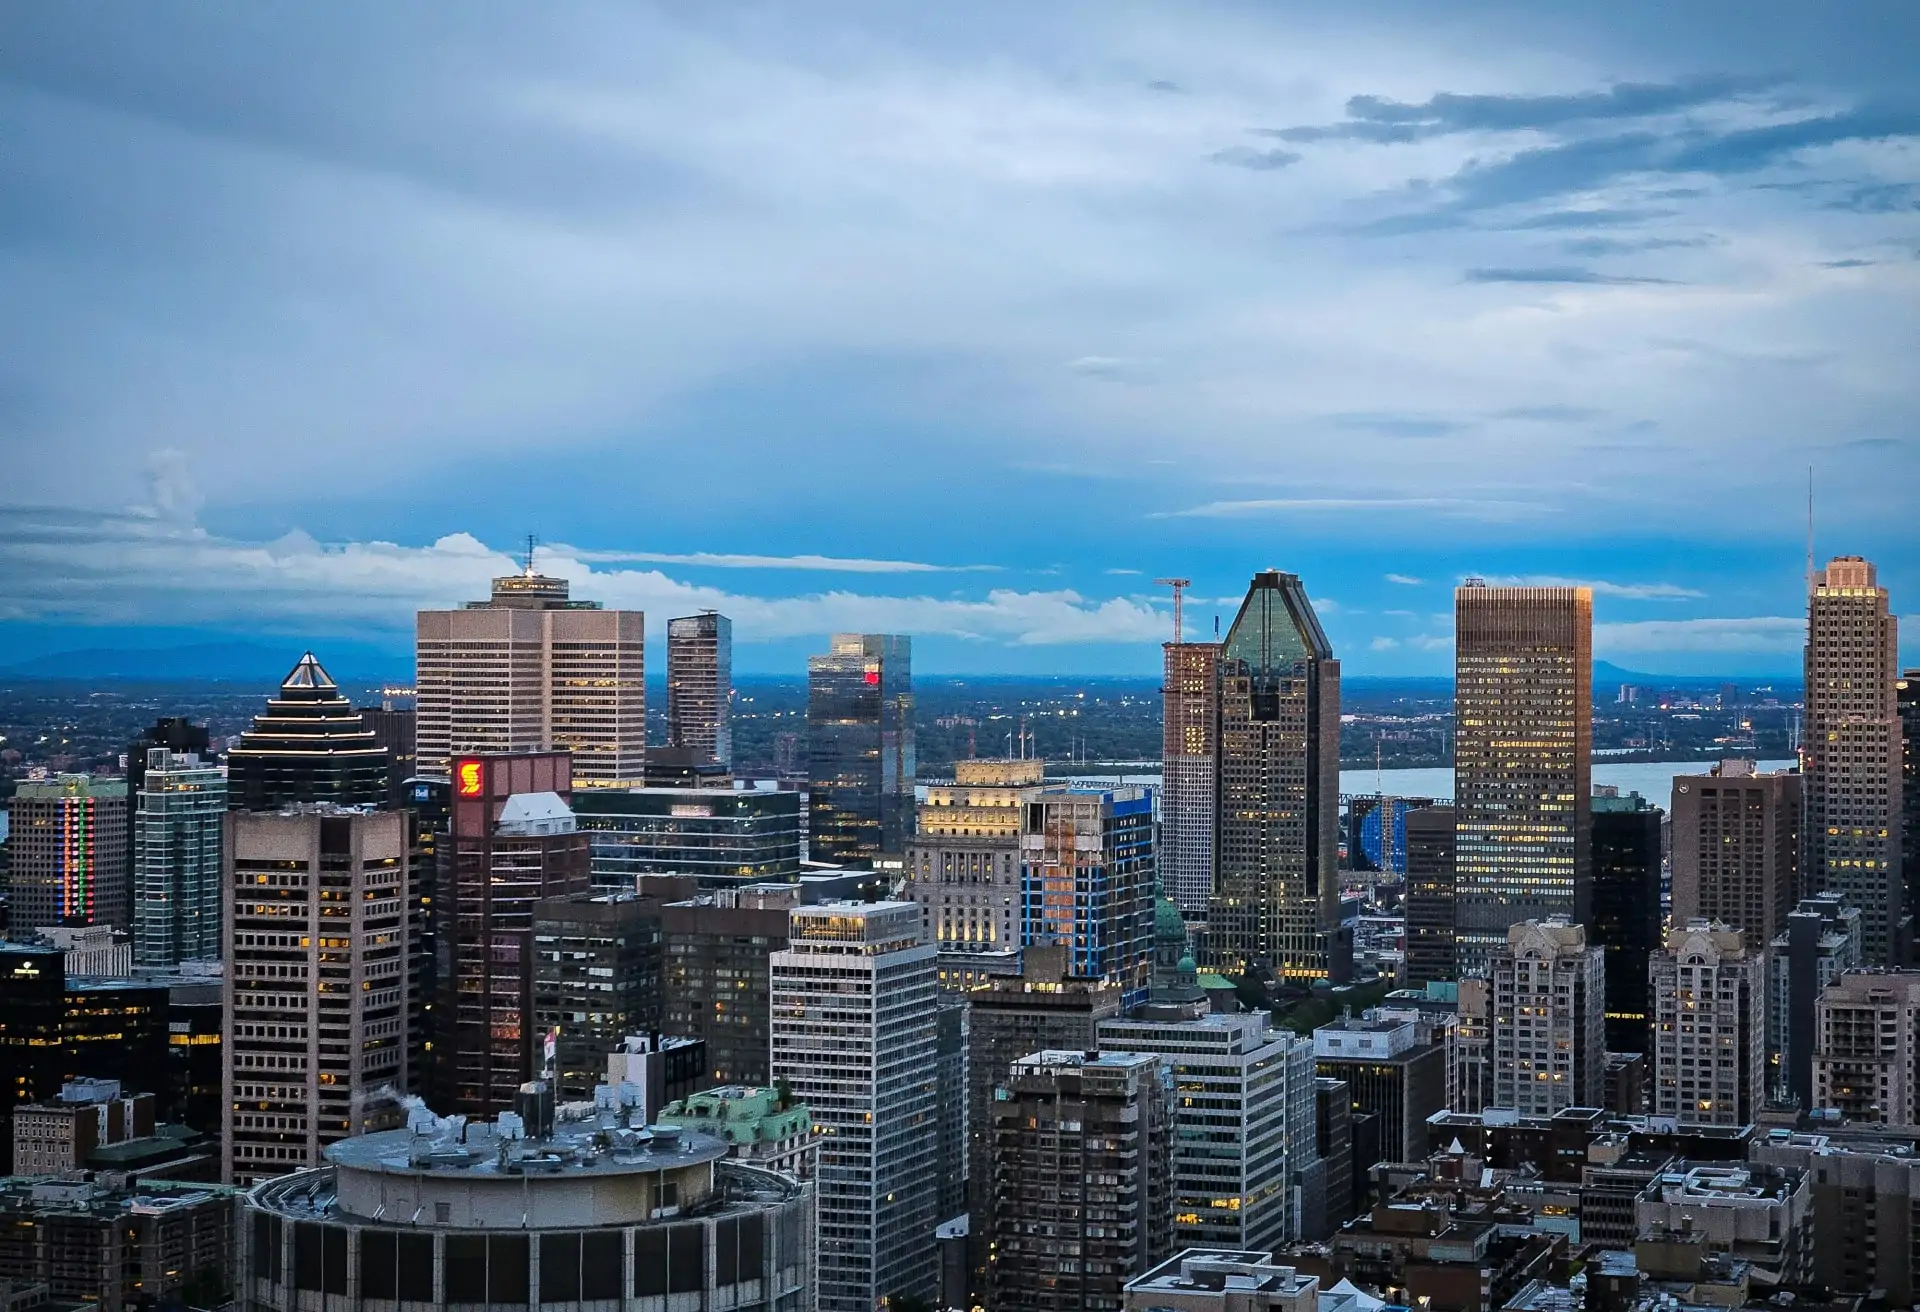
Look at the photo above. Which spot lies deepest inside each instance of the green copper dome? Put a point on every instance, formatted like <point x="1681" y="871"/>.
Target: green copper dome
<point x="1168" y="923"/>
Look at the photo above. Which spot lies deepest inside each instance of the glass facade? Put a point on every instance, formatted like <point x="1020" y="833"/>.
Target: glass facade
<point x="1276" y="892"/>
<point x="1087" y="882"/>
<point x="176" y="860"/>
<point x="309" y="745"/>
<point x="860" y="758"/>
<point x="700" y="685"/>
<point x="721" y="838"/>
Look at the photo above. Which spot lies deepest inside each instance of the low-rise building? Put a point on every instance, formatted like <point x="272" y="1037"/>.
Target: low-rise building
<point x="1222" y="1280"/>
<point x="764" y="1126"/>
<point x="1757" y="1213"/>
<point x="1865" y="1208"/>
<point x="56" y="1137"/>
<point x="118" y="1248"/>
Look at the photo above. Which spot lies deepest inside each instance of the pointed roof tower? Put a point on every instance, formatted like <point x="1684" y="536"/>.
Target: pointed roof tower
<point x="308" y="673"/>
<point x="309" y="745"/>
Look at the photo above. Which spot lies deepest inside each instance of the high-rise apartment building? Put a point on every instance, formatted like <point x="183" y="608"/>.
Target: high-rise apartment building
<point x="1710" y="1026"/>
<point x="176" y="733"/>
<point x="1277" y="833"/>
<point x="963" y="862"/>
<point x="316" y="1007"/>
<point x="1866" y="1058"/>
<point x="1523" y="739"/>
<point x="855" y="1038"/>
<point x="1470" y="1048"/>
<point x="1429" y="897"/>
<point x="700" y="686"/>
<point x="1625" y="918"/>
<point x="178" y="814"/>
<point x="1736" y="848"/>
<point x="1087" y="881"/>
<point x="1242" y="1124"/>
<point x="512" y="841"/>
<point x="69" y="858"/>
<point x="309" y="745"/>
<point x="1080" y="1179"/>
<point x="531" y="670"/>
<point x="1189" y="772"/>
<point x="1549" y="1023"/>
<point x="1906" y="693"/>
<point x="1851" y="753"/>
<point x="596" y="980"/>
<point x="1820" y="943"/>
<point x="716" y="977"/>
<point x="860" y="759"/>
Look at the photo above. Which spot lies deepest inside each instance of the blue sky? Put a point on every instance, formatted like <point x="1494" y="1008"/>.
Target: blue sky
<point x="966" y="322"/>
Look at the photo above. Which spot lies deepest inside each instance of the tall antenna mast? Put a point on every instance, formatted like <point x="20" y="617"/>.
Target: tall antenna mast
<point x="1179" y="586"/>
<point x="530" y="542"/>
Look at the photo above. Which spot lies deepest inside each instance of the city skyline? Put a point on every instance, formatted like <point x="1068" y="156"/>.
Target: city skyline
<point x="1534" y="297"/>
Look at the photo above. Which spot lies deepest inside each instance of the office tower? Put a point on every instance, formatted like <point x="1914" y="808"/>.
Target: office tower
<point x="860" y="761"/>
<point x="596" y="980"/>
<point x="1390" y="1073"/>
<point x="1087" y="881"/>
<point x="716" y="977"/>
<point x="1866" y="1057"/>
<point x="963" y="862"/>
<point x="1851" y="753"/>
<point x="176" y="733"/>
<point x="68" y="838"/>
<point x="1276" y="888"/>
<point x="1549" y="1023"/>
<point x="1189" y="770"/>
<point x="1470" y="1048"/>
<point x="309" y="745"/>
<point x="1333" y="1139"/>
<point x="511" y="842"/>
<point x="1820" y="943"/>
<point x="531" y="671"/>
<point x="1625" y="916"/>
<point x="393" y="727"/>
<point x="1429" y="907"/>
<point x="700" y="685"/>
<point x="178" y="814"/>
<point x="1522" y="780"/>
<point x="1736" y="848"/>
<point x="316" y="1007"/>
<point x="1906" y="695"/>
<point x="950" y="1108"/>
<point x="855" y="1037"/>
<point x="1710" y="1026"/>
<point x="1235" y="1150"/>
<point x="1377" y="832"/>
<point x="748" y="836"/>
<point x="1042" y="1008"/>
<point x="1080" y="1179"/>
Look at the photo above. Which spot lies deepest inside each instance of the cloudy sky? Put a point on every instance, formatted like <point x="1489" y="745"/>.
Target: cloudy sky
<point x="962" y="321"/>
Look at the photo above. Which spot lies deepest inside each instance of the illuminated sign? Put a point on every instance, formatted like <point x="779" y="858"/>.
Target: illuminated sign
<point x="467" y="778"/>
<point x="873" y="674"/>
<point x="688" y="811"/>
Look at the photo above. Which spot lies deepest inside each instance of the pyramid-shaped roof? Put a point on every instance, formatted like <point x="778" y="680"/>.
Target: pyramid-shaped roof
<point x="308" y="674"/>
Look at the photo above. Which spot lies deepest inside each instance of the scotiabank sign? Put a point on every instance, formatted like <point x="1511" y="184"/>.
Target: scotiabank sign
<point x="468" y="780"/>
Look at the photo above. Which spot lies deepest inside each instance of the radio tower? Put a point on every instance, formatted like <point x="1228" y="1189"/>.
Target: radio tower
<point x="1179" y="586"/>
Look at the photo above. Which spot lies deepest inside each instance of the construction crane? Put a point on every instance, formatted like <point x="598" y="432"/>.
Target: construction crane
<point x="1179" y="586"/>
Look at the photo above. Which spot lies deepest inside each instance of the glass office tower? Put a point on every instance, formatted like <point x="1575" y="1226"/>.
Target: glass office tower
<point x="860" y="762"/>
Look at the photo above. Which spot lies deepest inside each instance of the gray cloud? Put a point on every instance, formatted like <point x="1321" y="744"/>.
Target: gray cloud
<point x="1593" y="247"/>
<point x="1559" y="273"/>
<point x="1248" y="158"/>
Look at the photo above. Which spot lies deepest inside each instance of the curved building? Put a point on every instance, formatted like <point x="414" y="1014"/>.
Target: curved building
<point x="591" y="1215"/>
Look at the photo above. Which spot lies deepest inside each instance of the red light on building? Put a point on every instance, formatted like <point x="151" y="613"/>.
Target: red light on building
<point x="873" y="676"/>
<point x="467" y="778"/>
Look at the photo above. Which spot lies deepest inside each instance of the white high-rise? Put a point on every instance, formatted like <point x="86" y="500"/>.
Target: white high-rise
<point x="530" y="670"/>
<point x="1709" y="1026"/>
<point x="176" y="859"/>
<point x="1549" y="1019"/>
<point x="855" y="1035"/>
<point x="1239" y="1137"/>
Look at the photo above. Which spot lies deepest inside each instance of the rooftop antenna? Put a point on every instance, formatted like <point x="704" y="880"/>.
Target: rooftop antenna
<point x="530" y="544"/>
<point x="1178" y="586"/>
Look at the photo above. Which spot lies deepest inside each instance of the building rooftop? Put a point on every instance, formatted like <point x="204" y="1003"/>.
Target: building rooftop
<point x="38" y="1196"/>
<point x="1213" y="1270"/>
<point x="599" y="1144"/>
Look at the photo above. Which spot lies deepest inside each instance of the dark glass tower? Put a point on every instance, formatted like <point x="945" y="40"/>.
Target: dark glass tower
<point x="310" y="745"/>
<point x="1626" y="912"/>
<point x="176" y="733"/>
<point x="1276" y="889"/>
<point x="860" y="761"/>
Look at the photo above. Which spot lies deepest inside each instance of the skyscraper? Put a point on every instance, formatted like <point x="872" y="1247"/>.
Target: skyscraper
<point x="700" y="685"/>
<point x="963" y="862"/>
<point x="1523" y="739"/>
<point x="1821" y="942"/>
<point x="512" y="841"/>
<point x="309" y="745"/>
<point x="317" y="1008"/>
<point x="1625" y="918"/>
<point x="1549" y="1023"/>
<point x="1189" y="770"/>
<point x="1276" y="887"/>
<point x="1907" y="700"/>
<point x="1851" y="753"/>
<point x="860" y="760"/>
<point x="596" y="980"/>
<point x="855" y="1038"/>
<point x="530" y="670"/>
<point x="176" y="733"/>
<point x="1430" y="895"/>
<point x="1081" y="1186"/>
<point x="393" y="727"/>
<point x="176" y="859"/>
<point x="1710" y="1026"/>
<point x="1087" y="876"/>
<point x="1736" y="848"/>
<point x="69" y="860"/>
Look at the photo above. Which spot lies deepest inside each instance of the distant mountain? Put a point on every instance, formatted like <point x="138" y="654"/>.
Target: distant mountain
<point x="1607" y="674"/>
<point x="220" y="662"/>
